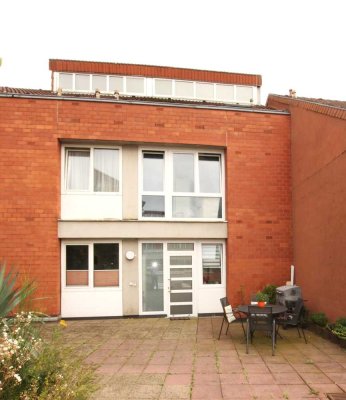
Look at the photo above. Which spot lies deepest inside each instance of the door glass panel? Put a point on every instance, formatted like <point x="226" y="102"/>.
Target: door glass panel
<point x="152" y="277"/>
<point x="197" y="207"/>
<point x="209" y="173"/>
<point x="153" y="206"/>
<point x="181" y="260"/>
<point x="183" y="172"/>
<point x="181" y="285"/>
<point x="180" y="246"/>
<point x="181" y="272"/>
<point x="181" y="309"/>
<point x="181" y="297"/>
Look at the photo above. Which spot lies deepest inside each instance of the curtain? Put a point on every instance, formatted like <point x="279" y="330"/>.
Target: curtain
<point x="78" y="162"/>
<point x="106" y="170"/>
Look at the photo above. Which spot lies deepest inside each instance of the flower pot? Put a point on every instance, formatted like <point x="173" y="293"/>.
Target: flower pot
<point x="261" y="303"/>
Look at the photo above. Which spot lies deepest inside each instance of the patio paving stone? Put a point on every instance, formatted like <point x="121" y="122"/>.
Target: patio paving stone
<point x="158" y="358"/>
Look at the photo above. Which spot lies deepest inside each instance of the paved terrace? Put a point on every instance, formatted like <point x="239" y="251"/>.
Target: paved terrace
<point x="156" y="358"/>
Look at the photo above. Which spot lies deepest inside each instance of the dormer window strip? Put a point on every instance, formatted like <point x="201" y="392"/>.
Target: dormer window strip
<point x="156" y="87"/>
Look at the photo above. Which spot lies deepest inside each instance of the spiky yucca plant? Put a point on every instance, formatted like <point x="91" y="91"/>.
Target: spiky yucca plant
<point x="11" y="294"/>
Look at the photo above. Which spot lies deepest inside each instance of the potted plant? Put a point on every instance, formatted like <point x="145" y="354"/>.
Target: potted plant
<point x="262" y="299"/>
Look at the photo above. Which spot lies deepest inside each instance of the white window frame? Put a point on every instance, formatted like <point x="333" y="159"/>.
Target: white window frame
<point x="168" y="192"/>
<point x="150" y="87"/>
<point x="223" y="266"/>
<point x="90" y="286"/>
<point x="76" y="146"/>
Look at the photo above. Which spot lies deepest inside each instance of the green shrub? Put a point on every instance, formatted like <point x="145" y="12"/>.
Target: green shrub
<point x="339" y="330"/>
<point x="341" y="321"/>
<point x="319" y="318"/>
<point x="270" y="290"/>
<point x="32" y="369"/>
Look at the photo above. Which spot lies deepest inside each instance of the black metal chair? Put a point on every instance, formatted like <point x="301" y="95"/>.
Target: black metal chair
<point x="228" y="315"/>
<point x="295" y="319"/>
<point x="260" y="319"/>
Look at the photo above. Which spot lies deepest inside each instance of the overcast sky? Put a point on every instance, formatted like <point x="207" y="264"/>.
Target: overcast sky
<point x="297" y="44"/>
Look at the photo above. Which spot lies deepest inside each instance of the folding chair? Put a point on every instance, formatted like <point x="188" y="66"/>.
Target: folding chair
<point x="260" y="319"/>
<point x="228" y="315"/>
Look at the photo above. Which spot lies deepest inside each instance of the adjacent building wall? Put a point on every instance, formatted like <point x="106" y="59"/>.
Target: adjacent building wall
<point x="319" y="211"/>
<point x="257" y="148"/>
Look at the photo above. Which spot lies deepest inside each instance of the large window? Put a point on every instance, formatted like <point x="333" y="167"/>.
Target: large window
<point x="181" y="184"/>
<point x="92" y="170"/>
<point x="93" y="264"/>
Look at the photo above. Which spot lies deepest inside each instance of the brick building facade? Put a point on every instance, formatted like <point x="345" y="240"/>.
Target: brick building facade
<point x="122" y="204"/>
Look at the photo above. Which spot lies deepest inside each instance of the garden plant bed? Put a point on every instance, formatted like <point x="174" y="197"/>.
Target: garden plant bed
<point x="327" y="334"/>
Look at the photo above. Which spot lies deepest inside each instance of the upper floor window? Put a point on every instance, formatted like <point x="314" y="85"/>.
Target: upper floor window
<point x="173" y="88"/>
<point x="181" y="184"/>
<point x="92" y="169"/>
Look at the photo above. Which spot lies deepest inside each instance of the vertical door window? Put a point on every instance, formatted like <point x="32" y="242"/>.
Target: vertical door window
<point x="212" y="263"/>
<point x="77" y="265"/>
<point x="106" y="170"/>
<point x="153" y="201"/>
<point x="152" y="277"/>
<point x="106" y="264"/>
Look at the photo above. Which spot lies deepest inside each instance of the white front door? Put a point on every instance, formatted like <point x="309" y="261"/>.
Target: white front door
<point x="181" y="282"/>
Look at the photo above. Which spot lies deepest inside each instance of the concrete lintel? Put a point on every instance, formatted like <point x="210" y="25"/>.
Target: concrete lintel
<point x="141" y="230"/>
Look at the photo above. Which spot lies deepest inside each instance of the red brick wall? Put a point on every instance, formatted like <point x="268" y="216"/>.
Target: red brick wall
<point x="258" y="181"/>
<point x="319" y="212"/>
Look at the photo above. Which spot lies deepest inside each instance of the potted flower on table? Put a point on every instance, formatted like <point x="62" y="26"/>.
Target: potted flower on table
<point x="262" y="299"/>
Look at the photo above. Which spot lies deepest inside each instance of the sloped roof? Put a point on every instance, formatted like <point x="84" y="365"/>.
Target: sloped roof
<point x="332" y="108"/>
<point x="93" y="67"/>
<point x="40" y="93"/>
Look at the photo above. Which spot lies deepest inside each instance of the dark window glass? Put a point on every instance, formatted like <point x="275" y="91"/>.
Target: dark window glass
<point x="153" y="206"/>
<point x="77" y="258"/>
<point x="106" y="256"/>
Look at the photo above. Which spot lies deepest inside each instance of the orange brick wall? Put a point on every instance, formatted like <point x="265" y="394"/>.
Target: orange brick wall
<point x="258" y="181"/>
<point x="319" y="212"/>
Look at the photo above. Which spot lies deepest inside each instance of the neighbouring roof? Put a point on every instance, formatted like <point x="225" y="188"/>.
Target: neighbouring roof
<point x="47" y="94"/>
<point x="333" y="108"/>
<point x="152" y="71"/>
